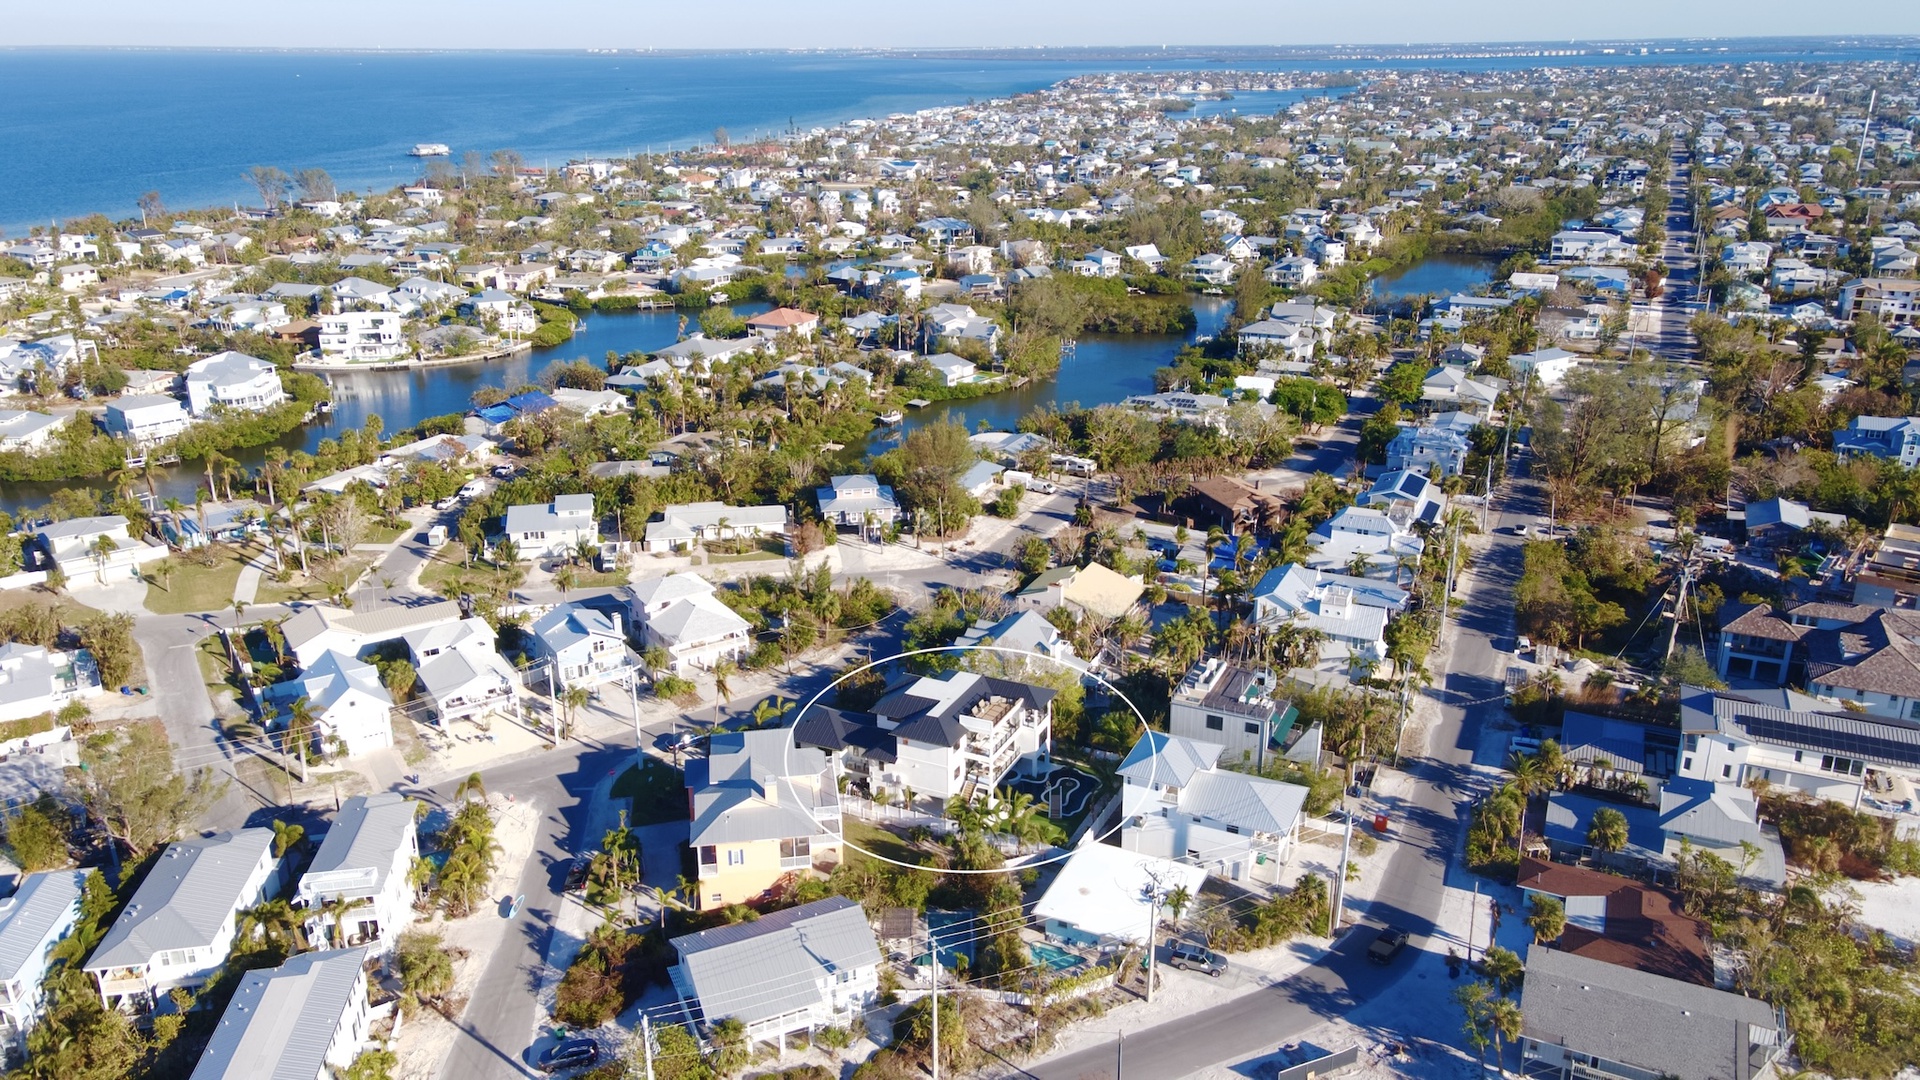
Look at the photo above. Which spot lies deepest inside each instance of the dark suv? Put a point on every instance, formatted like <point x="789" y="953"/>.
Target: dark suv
<point x="1387" y="945"/>
<point x="1192" y="956"/>
<point x="572" y="1054"/>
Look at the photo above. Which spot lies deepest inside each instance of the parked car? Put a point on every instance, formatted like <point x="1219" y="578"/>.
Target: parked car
<point x="1192" y="956"/>
<point x="1387" y="945"/>
<point x="577" y="872"/>
<point x="572" y="1054"/>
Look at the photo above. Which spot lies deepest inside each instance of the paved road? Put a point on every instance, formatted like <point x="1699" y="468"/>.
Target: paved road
<point x="1410" y="891"/>
<point x="503" y="1010"/>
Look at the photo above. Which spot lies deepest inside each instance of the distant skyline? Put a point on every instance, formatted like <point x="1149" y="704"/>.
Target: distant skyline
<point x="757" y="24"/>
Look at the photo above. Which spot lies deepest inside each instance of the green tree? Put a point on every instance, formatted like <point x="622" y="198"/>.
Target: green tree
<point x="38" y="835"/>
<point x="1547" y="920"/>
<point x="131" y="788"/>
<point x="1608" y="830"/>
<point x="425" y="968"/>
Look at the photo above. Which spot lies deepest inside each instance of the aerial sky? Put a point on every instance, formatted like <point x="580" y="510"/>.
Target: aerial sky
<point x="626" y="24"/>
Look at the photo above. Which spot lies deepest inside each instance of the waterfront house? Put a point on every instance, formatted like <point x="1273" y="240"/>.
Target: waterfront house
<point x="317" y="629"/>
<point x="1589" y="246"/>
<point x="557" y="528"/>
<point x="41" y="912"/>
<point x="307" y="1018"/>
<point x="180" y="925"/>
<point x="784" y="320"/>
<point x="803" y="968"/>
<point x="1211" y="269"/>
<point x="362" y="336"/>
<point x="951" y="370"/>
<point x="21" y="430"/>
<point x="582" y="646"/>
<point x="460" y="672"/>
<point x="232" y="380"/>
<point x="352" y="709"/>
<point x="1177" y="803"/>
<point x="859" y="501"/>
<point x="680" y="614"/>
<point x="678" y="528"/>
<point x="75" y="547"/>
<point x="356" y="888"/>
<point x="763" y="809"/>
<point x="1609" y="1022"/>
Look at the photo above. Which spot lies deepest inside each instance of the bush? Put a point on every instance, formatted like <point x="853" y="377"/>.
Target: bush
<point x="425" y="968"/>
<point x="673" y="688"/>
<point x="602" y="980"/>
<point x="551" y="334"/>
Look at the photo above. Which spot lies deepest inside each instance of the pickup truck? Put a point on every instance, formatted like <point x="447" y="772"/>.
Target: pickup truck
<point x="1387" y="946"/>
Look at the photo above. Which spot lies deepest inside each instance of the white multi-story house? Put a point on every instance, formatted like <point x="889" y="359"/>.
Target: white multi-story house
<point x="583" y="646"/>
<point x="1809" y="746"/>
<point x="1350" y="614"/>
<point x="461" y="672"/>
<point x="1230" y="706"/>
<point x="1177" y="803"/>
<point x="146" y="419"/>
<point x="558" y="528"/>
<point x="35" y="680"/>
<point x="362" y="335"/>
<point x="858" y="501"/>
<point x="1429" y="450"/>
<point x="957" y="736"/>
<point x="680" y="614"/>
<point x="1895" y="300"/>
<point x="319" y="628"/>
<point x="825" y="953"/>
<point x="232" y="380"/>
<point x="1390" y="547"/>
<point x="1584" y="246"/>
<point x="1293" y="272"/>
<point x="179" y="927"/>
<point x="356" y="889"/>
<point x="352" y="709"/>
<point x="33" y="920"/>
<point x="309" y="1017"/>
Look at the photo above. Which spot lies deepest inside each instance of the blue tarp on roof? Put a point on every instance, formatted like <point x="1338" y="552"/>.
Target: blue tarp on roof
<point x="496" y="414"/>
<point x="533" y="401"/>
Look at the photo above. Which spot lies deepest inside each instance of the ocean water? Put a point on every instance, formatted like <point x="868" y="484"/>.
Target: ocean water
<point x="90" y="130"/>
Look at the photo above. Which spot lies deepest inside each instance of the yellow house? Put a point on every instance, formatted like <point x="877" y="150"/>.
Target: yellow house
<point x="763" y="808"/>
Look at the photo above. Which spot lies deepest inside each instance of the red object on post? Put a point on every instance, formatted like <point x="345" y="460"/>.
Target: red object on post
<point x="1379" y="823"/>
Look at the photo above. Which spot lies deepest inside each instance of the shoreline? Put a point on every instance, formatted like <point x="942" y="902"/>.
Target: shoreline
<point x="321" y="367"/>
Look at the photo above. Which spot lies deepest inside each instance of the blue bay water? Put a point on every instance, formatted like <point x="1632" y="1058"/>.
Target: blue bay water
<point x="90" y="130"/>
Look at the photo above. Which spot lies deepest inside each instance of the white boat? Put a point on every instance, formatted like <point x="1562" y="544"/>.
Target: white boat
<point x="430" y="149"/>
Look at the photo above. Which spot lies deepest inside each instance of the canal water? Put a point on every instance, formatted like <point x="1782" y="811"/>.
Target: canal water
<point x="1436" y="275"/>
<point x="1102" y="368"/>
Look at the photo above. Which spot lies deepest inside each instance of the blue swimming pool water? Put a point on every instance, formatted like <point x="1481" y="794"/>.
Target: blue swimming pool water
<point x="1056" y="959"/>
<point x="953" y="932"/>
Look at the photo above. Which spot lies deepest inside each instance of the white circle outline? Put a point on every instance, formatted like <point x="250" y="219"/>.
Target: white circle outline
<point x="1145" y="729"/>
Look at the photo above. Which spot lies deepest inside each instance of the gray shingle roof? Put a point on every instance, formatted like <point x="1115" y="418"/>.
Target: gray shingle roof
<point x="194" y="888"/>
<point x="281" y="1022"/>
<point x="761" y="969"/>
<point x="1662" y="1025"/>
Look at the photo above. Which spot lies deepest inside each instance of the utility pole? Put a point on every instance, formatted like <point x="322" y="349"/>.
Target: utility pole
<point x="646" y="1042"/>
<point x="1119" y="1055"/>
<point x="1340" y="880"/>
<point x="933" y="955"/>
<point x="1473" y="919"/>
<point x="1679" y="605"/>
<point x="1153" y="923"/>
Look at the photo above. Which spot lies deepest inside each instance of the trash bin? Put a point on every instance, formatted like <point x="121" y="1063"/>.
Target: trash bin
<point x="1379" y="823"/>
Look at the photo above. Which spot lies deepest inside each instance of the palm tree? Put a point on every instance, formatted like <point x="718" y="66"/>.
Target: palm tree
<point x="1530" y="775"/>
<point x="274" y="920"/>
<point x="585" y="551"/>
<point x="1549" y="919"/>
<point x="471" y="786"/>
<point x="506" y="553"/>
<point x="335" y="911"/>
<point x="723" y="670"/>
<point x="239" y="609"/>
<point x="300" y="724"/>
<point x="573" y="699"/>
<point x="1504" y="1022"/>
<point x="1608" y="830"/>
<point x="103" y="549"/>
<point x="1503" y="966"/>
<point x="566" y="578"/>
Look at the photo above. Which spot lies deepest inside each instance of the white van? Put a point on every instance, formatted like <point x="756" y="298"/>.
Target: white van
<point x="436" y="536"/>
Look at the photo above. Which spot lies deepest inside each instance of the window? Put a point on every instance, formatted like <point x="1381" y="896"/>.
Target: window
<point x="1215" y="723"/>
<point x="709" y="855"/>
<point x="1841" y="766"/>
<point x="1686" y="764"/>
<point x="1693" y="743"/>
<point x="1253" y="727"/>
<point x="713" y="898"/>
<point x="796" y="853"/>
<point x="736" y="856"/>
<point x="1726" y="771"/>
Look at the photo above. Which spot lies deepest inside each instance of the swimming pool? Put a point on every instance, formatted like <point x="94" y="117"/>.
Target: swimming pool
<point x="1057" y="960"/>
<point x="957" y="927"/>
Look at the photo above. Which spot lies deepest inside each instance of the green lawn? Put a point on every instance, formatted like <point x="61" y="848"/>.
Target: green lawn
<point x="194" y="587"/>
<point x="595" y="579"/>
<point x="658" y="791"/>
<point x="380" y="534"/>
<point x="312" y="589"/>
<point x="874" y="840"/>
